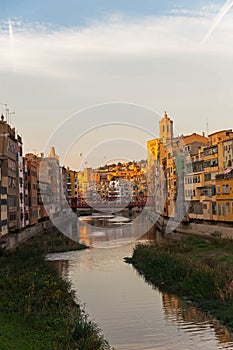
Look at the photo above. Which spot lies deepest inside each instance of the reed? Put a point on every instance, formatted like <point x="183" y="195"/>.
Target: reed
<point x="195" y="268"/>
<point x="37" y="307"/>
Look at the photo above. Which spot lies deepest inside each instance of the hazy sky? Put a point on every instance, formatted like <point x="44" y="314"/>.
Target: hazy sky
<point x="60" y="57"/>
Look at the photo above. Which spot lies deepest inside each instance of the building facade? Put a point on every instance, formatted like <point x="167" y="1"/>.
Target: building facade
<point x="191" y="175"/>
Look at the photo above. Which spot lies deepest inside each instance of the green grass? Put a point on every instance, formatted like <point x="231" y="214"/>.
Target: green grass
<point x="37" y="307"/>
<point x="15" y="333"/>
<point x="193" y="267"/>
<point x="54" y="242"/>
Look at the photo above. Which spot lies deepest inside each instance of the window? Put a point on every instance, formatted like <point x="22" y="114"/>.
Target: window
<point x="214" y="208"/>
<point x="210" y="151"/>
<point x="11" y="164"/>
<point x="211" y="163"/>
<point x="224" y="210"/>
<point x="12" y="182"/>
<point x="12" y="217"/>
<point x="3" y="222"/>
<point x="219" y="210"/>
<point x="12" y="201"/>
<point x="11" y="145"/>
<point x="218" y="189"/>
<point x="207" y="176"/>
<point x="228" y="208"/>
<point x="190" y="180"/>
<point x="3" y="201"/>
<point x="225" y="189"/>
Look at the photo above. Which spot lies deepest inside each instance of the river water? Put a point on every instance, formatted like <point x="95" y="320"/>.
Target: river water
<point x="132" y="314"/>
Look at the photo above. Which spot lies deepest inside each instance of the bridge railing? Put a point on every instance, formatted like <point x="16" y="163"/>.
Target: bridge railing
<point x="90" y="202"/>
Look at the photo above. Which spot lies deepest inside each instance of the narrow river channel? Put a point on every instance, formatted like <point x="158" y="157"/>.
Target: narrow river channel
<point x="132" y="314"/>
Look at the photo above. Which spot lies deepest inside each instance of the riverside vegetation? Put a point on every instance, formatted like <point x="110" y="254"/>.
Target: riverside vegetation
<point x="195" y="268"/>
<point x="37" y="307"/>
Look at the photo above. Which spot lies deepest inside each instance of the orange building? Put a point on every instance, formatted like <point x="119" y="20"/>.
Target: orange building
<point x="219" y="136"/>
<point x="32" y="177"/>
<point x="223" y="206"/>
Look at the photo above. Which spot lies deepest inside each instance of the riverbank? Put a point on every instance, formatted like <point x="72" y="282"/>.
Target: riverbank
<point x="37" y="307"/>
<point x="197" y="227"/>
<point x="195" y="268"/>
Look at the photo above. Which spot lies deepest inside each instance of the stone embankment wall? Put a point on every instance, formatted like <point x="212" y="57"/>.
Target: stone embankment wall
<point x="12" y="240"/>
<point x="201" y="228"/>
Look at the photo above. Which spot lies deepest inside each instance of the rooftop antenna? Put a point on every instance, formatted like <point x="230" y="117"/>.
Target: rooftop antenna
<point x="10" y="114"/>
<point x="207" y="127"/>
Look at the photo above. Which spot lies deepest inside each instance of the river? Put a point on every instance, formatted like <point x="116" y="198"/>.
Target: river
<point x="132" y="314"/>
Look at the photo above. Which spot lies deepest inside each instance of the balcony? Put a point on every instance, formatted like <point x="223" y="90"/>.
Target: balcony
<point x="227" y="174"/>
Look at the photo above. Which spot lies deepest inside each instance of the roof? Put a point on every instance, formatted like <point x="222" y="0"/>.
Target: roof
<point x="219" y="132"/>
<point x="195" y="138"/>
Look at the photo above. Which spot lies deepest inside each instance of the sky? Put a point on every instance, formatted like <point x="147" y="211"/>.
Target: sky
<point x="80" y="60"/>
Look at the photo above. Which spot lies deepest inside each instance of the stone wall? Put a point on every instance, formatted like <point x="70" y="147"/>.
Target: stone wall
<point x="202" y="228"/>
<point x="12" y="240"/>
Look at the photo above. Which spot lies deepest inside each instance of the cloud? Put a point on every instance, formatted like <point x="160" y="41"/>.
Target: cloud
<point x="39" y="49"/>
<point x="48" y="73"/>
<point x="204" y="11"/>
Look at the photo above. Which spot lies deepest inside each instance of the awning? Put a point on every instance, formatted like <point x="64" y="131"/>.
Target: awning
<point x="227" y="171"/>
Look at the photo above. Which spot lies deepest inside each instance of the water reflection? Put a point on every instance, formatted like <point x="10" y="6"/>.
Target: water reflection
<point x="62" y="266"/>
<point x="133" y="314"/>
<point x="106" y="230"/>
<point x="189" y="318"/>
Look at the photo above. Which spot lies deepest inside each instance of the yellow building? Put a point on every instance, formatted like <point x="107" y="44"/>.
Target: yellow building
<point x="72" y="183"/>
<point x="219" y="136"/>
<point x="153" y="148"/>
<point x="223" y="207"/>
<point x="157" y="165"/>
<point x="208" y="196"/>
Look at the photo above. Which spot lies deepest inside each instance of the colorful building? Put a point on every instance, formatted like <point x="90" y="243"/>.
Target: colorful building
<point x="223" y="206"/>
<point x="32" y="179"/>
<point x="191" y="174"/>
<point x="9" y="174"/>
<point x="20" y="175"/>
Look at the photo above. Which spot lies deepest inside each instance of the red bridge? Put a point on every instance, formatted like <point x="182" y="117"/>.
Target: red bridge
<point x="111" y="202"/>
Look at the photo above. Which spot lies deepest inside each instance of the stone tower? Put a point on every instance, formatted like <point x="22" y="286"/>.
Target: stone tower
<point x="166" y="129"/>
